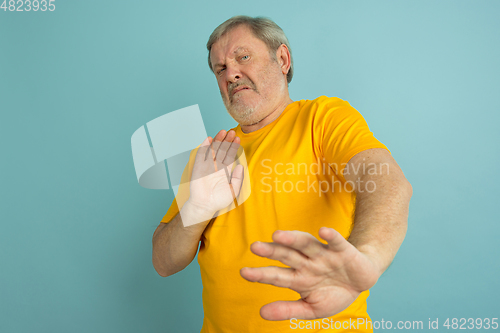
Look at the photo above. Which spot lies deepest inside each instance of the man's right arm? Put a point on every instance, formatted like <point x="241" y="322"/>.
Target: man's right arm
<point x="175" y="243"/>
<point x="174" y="246"/>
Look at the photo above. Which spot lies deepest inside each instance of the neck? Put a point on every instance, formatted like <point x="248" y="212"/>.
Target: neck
<point x="272" y="116"/>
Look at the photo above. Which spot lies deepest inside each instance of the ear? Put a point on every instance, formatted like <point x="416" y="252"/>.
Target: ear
<point x="284" y="58"/>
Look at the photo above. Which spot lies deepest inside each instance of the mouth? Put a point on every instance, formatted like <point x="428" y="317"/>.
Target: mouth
<point x="236" y="90"/>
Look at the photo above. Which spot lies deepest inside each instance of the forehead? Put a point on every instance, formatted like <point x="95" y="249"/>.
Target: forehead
<point x="234" y="41"/>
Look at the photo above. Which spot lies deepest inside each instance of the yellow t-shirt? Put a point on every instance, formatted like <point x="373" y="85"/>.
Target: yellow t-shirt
<point x="295" y="165"/>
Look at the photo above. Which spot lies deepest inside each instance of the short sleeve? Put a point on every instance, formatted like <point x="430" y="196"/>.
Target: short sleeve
<point x="342" y="132"/>
<point x="171" y="212"/>
<point x="183" y="191"/>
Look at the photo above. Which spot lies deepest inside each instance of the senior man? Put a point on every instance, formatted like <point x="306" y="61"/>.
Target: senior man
<point x="328" y="203"/>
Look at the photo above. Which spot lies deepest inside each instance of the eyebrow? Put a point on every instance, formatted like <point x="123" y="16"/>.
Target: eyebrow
<point x="239" y="49"/>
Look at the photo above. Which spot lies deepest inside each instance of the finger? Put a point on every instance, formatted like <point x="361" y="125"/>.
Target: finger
<point x="285" y="310"/>
<point x="284" y="254"/>
<point x="232" y="152"/>
<point x="228" y="160"/>
<point x="230" y="136"/>
<point x="276" y="276"/>
<point x="205" y="145"/>
<point x="300" y="241"/>
<point x="221" y="135"/>
<point x="224" y="146"/>
<point x="228" y="176"/>
<point x="219" y="138"/>
<point x="336" y="241"/>
<point x="215" y="144"/>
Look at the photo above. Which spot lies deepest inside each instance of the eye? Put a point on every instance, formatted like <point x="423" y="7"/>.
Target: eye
<point x="220" y="71"/>
<point x="245" y="57"/>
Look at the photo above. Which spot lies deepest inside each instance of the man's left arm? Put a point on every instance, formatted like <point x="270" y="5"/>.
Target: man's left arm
<point x="382" y="202"/>
<point x="329" y="277"/>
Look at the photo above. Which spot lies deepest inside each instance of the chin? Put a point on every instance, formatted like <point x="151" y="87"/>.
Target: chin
<point x="243" y="117"/>
<point x="244" y="114"/>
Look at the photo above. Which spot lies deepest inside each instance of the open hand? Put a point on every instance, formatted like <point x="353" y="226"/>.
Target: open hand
<point x="212" y="186"/>
<point x="328" y="277"/>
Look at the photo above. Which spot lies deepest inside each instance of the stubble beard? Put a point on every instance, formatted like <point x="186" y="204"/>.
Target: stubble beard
<point x="243" y="113"/>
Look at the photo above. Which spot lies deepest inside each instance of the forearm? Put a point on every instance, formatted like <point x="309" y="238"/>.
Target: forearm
<point x="380" y="220"/>
<point x="175" y="246"/>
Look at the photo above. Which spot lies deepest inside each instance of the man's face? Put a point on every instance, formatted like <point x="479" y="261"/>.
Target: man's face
<point x="251" y="82"/>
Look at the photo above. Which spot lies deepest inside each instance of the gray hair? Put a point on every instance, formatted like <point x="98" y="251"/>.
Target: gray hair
<point x="263" y="28"/>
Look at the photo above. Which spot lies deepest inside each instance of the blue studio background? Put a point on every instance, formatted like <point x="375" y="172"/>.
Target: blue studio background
<point x="75" y="83"/>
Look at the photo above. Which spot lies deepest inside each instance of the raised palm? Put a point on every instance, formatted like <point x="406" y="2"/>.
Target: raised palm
<point x="214" y="185"/>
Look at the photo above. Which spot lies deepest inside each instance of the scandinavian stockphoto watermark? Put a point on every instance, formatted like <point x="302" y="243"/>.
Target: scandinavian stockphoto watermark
<point x="319" y="176"/>
<point x="160" y="157"/>
<point x="353" y="324"/>
<point x="368" y="324"/>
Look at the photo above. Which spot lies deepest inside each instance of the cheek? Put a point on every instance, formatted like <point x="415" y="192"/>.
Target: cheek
<point x="264" y="83"/>
<point x="222" y="88"/>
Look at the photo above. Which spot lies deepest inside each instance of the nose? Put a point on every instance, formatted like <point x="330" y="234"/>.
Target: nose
<point x="233" y="74"/>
